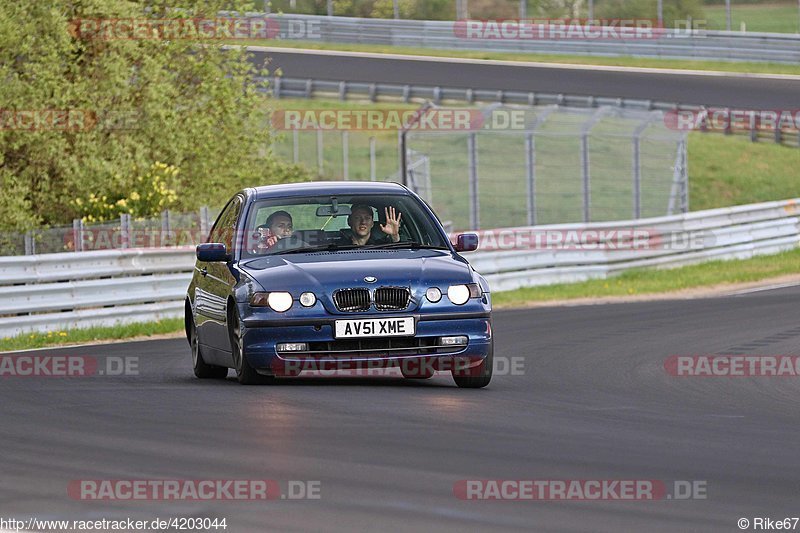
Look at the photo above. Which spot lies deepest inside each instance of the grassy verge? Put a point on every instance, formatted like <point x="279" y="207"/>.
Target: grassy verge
<point x="78" y="336"/>
<point x="727" y="170"/>
<point x="624" y="61"/>
<point x="651" y="281"/>
<point x="777" y="17"/>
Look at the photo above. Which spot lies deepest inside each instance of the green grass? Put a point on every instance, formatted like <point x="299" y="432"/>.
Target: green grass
<point x="625" y="61"/>
<point x="650" y="281"/>
<point x="777" y="17"/>
<point x="78" y="336"/>
<point x="727" y="170"/>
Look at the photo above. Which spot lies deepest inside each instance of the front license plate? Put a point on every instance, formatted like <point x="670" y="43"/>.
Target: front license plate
<point x="375" y="327"/>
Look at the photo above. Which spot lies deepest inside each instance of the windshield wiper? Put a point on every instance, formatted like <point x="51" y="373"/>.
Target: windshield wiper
<point x="407" y="244"/>
<point x="320" y="248"/>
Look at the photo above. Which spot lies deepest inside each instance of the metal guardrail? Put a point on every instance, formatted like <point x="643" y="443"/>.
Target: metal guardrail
<point x="280" y="87"/>
<point x="450" y="35"/>
<point x="53" y="292"/>
<point x="69" y="290"/>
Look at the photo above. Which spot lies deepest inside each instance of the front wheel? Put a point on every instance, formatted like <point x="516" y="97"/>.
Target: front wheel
<point x="477" y="376"/>
<point x="202" y="369"/>
<point x="245" y="373"/>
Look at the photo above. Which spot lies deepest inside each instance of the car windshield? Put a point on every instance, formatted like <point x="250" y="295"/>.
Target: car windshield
<point x="341" y="222"/>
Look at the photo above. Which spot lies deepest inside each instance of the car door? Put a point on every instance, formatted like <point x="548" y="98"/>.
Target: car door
<point x="215" y="281"/>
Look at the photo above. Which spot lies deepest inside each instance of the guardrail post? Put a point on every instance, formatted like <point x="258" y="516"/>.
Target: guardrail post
<point x="342" y="90"/>
<point x="474" y="201"/>
<point x="753" y="131"/>
<point x="295" y="146"/>
<point x="165" y="227"/>
<point x="125" y="230"/>
<point x="778" y="133"/>
<point x="30" y="244"/>
<point x="346" y="155"/>
<point x="77" y="234"/>
<point x="437" y="95"/>
<point x="406" y="93"/>
<point x="530" y="172"/>
<point x="276" y="90"/>
<point x="205" y="225"/>
<point x="372" y="173"/>
<point x="309" y="88"/>
<point x="373" y="92"/>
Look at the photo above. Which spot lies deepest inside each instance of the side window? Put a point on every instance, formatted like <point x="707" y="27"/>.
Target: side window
<point x="225" y="227"/>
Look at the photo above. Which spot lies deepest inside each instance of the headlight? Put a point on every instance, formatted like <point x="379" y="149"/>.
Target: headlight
<point x="459" y="294"/>
<point x="308" y="299"/>
<point x="433" y="295"/>
<point x="278" y="301"/>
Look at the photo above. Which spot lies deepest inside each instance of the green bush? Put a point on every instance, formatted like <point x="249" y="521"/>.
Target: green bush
<point x="186" y="103"/>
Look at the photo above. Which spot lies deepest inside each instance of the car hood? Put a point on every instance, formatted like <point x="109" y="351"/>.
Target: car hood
<point x="324" y="272"/>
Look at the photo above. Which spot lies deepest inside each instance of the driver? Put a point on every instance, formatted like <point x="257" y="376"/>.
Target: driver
<point x="361" y="223"/>
<point x="277" y="226"/>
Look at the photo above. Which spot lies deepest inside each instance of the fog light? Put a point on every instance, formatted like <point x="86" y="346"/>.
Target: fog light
<point x="433" y="295"/>
<point x="460" y="340"/>
<point x="292" y="347"/>
<point x="308" y="299"/>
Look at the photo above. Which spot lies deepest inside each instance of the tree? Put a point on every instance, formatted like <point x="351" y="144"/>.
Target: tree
<point x="119" y="106"/>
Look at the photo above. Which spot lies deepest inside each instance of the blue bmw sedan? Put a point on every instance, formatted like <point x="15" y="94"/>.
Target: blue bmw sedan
<point x="332" y="276"/>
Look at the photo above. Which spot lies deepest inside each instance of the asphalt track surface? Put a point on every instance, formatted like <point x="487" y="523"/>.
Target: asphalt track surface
<point x="593" y="402"/>
<point x="733" y="91"/>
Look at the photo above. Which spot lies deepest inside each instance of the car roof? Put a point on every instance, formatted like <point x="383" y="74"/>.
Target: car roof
<point x="327" y="187"/>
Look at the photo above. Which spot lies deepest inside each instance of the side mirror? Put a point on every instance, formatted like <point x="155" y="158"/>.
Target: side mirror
<point x="212" y="252"/>
<point x="467" y="242"/>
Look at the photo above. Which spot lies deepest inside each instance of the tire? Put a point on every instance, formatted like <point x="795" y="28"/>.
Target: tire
<point x="202" y="370"/>
<point x="416" y="370"/>
<point x="476" y="377"/>
<point x="245" y="374"/>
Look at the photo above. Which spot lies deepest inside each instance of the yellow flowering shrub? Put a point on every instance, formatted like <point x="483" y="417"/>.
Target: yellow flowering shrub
<point x="148" y="195"/>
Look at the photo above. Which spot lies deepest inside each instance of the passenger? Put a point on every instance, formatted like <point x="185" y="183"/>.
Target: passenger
<point x="277" y="226"/>
<point x="361" y="224"/>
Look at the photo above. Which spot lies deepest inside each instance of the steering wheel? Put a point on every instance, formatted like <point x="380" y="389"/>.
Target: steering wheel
<point x="288" y="243"/>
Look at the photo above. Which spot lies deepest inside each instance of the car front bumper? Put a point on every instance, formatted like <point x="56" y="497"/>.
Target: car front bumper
<point x="326" y="354"/>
